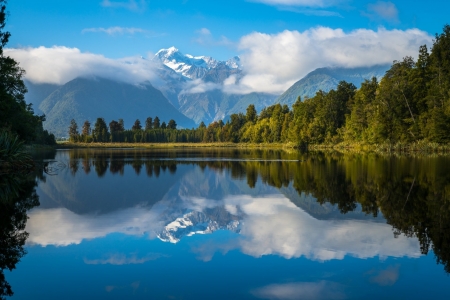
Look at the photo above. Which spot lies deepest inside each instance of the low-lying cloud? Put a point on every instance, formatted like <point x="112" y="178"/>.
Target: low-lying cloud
<point x="59" y="65"/>
<point x="271" y="62"/>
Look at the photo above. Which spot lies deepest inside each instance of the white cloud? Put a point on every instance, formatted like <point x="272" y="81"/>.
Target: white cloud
<point x="61" y="227"/>
<point x="384" y="10"/>
<point x="199" y="86"/>
<point x="301" y="290"/>
<point x="130" y="4"/>
<point x="61" y="64"/>
<point x="116" y="30"/>
<point x="273" y="62"/>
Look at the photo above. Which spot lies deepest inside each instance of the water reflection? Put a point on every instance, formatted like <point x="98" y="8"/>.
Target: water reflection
<point x="17" y="196"/>
<point x="288" y="204"/>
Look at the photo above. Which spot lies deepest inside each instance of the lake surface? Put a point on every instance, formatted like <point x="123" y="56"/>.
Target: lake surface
<point x="229" y="224"/>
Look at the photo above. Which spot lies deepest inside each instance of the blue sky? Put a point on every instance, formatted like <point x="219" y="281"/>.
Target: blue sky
<point x="284" y="39"/>
<point x="147" y="26"/>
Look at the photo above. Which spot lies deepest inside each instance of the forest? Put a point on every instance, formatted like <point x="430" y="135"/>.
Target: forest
<point x="410" y="104"/>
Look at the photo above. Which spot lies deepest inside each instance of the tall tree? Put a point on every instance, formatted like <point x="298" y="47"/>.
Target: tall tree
<point x="172" y="124"/>
<point x="137" y="125"/>
<point x="148" y="123"/>
<point x="100" y="131"/>
<point x="251" y="114"/>
<point x="73" y="131"/>
<point x="156" y="123"/>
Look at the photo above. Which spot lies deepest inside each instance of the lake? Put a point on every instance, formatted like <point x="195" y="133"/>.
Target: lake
<point x="229" y="224"/>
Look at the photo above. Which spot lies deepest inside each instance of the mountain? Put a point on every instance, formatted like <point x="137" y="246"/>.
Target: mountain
<point x="37" y="92"/>
<point x="209" y="104"/>
<point x="326" y="79"/>
<point x="87" y="99"/>
<point x="192" y="67"/>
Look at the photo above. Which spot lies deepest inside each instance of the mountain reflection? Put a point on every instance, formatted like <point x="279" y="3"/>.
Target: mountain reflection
<point x="288" y="204"/>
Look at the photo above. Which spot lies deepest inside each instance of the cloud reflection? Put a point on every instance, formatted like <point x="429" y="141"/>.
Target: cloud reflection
<point x="270" y="225"/>
<point x="301" y="290"/>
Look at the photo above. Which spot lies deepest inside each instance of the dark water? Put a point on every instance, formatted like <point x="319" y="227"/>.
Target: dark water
<point x="225" y="224"/>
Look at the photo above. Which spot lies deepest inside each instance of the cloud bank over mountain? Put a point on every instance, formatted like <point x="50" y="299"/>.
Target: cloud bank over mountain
<point x="271" y="63"/>
<point x="59" y="64"/>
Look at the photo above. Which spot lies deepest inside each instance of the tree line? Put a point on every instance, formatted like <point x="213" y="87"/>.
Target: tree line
<point x="411" y="103"/>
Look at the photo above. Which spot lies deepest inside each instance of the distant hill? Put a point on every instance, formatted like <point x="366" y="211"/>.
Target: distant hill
<point x="326" y="79"/>
<point x="87" y="99"/>
<point x="37" y="92"/>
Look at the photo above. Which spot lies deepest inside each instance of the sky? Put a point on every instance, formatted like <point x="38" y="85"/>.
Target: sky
<point x="279" y="41"/>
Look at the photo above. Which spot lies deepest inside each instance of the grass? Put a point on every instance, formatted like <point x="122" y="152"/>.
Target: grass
<point x="416" y="147"/>
<point x="13" y="155"/>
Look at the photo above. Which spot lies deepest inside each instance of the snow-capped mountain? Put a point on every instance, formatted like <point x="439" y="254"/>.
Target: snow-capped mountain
<point x="195" y="222"/>
<point x="190" y="66"/>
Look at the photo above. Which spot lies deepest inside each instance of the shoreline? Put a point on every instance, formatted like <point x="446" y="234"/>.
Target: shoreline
<point x="414" y="148"/>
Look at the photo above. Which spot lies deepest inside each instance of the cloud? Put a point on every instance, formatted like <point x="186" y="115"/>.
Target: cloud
<point x="301" y="290"/>
<point x="199" y="86"/>
<point x="130" y="4"/>
<point x="116" y="30"/>
<point x="382" y="10"/>
<point x="59" y="65"/>
<point x="61" y="227"/>
<point x="273" y="62"/>
<point x="123" y="259"/>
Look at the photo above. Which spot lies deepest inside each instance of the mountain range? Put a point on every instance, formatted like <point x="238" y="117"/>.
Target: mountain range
<point x="187" y="89"/>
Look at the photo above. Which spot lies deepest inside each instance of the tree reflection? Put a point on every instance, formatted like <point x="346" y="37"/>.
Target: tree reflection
<point x="411" y="192"/>
<point x="17" y="196"/>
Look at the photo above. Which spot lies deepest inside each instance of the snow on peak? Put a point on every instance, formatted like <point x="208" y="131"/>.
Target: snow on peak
<point x="188" y="65"/>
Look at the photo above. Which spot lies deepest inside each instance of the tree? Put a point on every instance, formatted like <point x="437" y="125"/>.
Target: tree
<point x="251" y="114"/>
<point x="172" y="124"/>
<point x="86" y="129"/>
<point x="156" y="123"/>
<point x="148" y="123"/>
<point x="73" y="131"/>
<point x="121" y="124"/>
<point x="100" y="132"/>
<point x="137" y="125"/>
<point x="163" y="125"/>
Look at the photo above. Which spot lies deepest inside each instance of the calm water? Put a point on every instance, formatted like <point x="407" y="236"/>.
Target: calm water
<point x="180" y="224"/>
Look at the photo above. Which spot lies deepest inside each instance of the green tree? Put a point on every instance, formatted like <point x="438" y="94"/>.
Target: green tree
<point x="148" y="123"/>
<point x="100" y="131"/>
<point x="172" y="124"/>
<point x="73" y="131"/>
<point x="163" y="125"/>
<point x="156" y="123"/>
<point x="137" y="125"/>
<point x="251" y="114"/>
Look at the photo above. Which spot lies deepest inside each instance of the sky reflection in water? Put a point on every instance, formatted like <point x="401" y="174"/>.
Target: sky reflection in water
<point x="124" y="224"/>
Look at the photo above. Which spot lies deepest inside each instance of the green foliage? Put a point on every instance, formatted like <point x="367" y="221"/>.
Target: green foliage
<point x="13" y="156"/>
